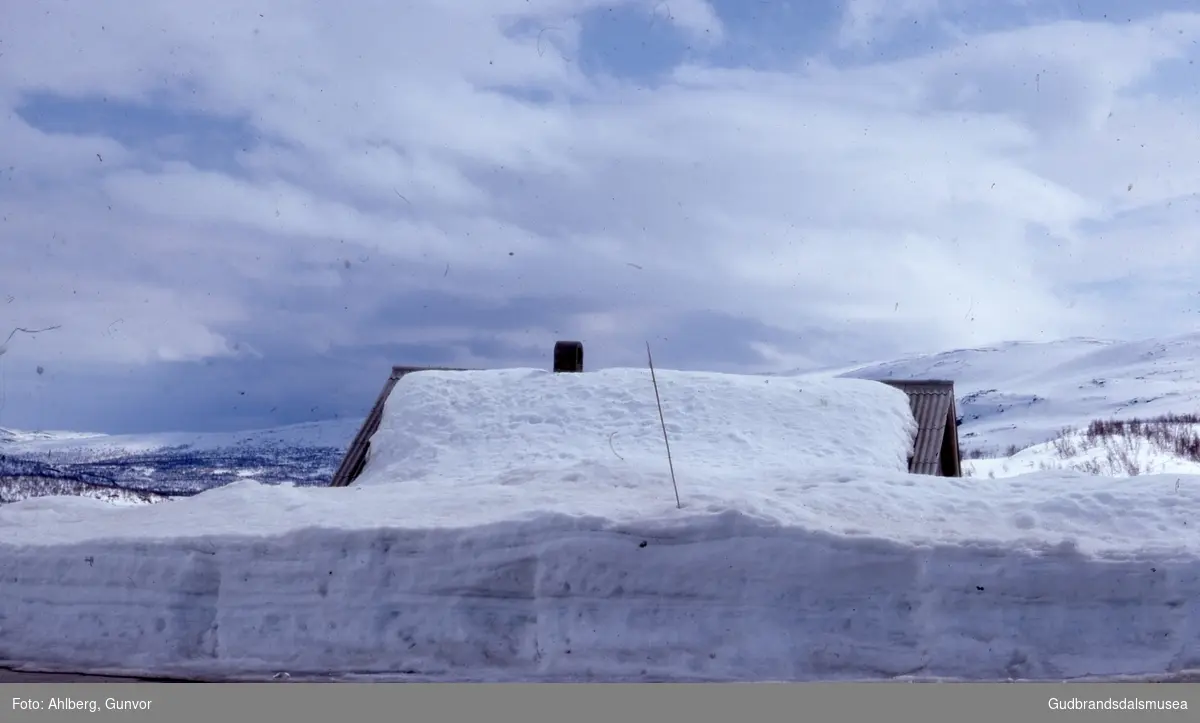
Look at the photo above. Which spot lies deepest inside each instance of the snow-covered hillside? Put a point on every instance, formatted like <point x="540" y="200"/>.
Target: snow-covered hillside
<point x="497" y="553"/>
<point x="173" y="463"/>
<point x="17" y="487"/>
<point x="82" y="446"/>
<point x="1019" y="394"/>
<point x="1169" y="444"/>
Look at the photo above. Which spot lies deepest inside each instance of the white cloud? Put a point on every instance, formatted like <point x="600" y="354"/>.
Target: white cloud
<point x="863" y="20"/>
<point x="697" y="17"/>
<point x="957" y="194"/>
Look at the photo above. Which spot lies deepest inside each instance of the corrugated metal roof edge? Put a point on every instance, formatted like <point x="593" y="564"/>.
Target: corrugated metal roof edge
<point x="356" y="453"/>
<point x="933" y="406"/>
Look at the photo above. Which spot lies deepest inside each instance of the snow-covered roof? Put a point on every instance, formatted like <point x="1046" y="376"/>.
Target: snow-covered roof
<point x="934" y="451"/>
<point x="356" y="454"/>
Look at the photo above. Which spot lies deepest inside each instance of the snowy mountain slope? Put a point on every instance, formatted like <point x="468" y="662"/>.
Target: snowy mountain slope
<point x="173" y="463"/>
<point x="1113" y="448"/>
<point x="1024" y="393"/>
<point x="19" y="437"/>
<point x="18" y="488"/>
<point x="84" y="446"/>
<point x="23" y="479"/>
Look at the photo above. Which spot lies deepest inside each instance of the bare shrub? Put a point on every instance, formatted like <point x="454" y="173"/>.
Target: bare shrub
<point x="1173" y="434"/>
<point x="1121" y="453"/>
<point x="1120" y="439"/>
<point x="1064" y="444"/>
<point x="1116" y="443"/>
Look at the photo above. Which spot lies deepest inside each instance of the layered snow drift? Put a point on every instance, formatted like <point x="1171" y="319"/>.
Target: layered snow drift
<point x="872" y="575"/>
<point x="471" y="553"/>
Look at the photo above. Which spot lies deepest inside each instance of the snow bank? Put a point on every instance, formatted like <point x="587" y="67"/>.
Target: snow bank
<point x="548" y="556"/>
<point x="866" y="575"/>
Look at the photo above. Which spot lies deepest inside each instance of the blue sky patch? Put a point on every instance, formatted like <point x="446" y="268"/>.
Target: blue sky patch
<point x="157" y="129"/>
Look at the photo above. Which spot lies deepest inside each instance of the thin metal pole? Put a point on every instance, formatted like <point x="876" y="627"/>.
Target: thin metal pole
<point x="662" y="421"/>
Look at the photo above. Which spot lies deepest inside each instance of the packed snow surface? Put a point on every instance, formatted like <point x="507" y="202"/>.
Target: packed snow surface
<point x="500" y="536"/>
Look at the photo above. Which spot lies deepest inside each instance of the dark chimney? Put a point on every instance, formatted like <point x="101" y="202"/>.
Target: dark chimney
<point x="568" y="356"/>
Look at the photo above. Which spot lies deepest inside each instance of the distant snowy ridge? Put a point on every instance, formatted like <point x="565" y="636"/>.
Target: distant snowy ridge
<point x="17" y="436"/>
<point x="334" y="433"/>
<point x="1017" y="394"/>
<point x="173" y="463"/>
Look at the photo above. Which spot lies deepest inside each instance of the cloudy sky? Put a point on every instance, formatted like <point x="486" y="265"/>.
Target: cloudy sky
<point x="240" y="213"/>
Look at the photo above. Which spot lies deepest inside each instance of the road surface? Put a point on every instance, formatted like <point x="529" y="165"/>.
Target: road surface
<point x="13" y="676"/>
